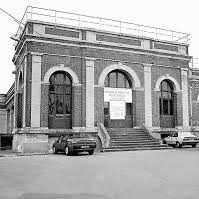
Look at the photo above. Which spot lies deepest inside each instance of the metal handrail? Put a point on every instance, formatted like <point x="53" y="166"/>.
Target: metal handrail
<point x="87" y="21"/>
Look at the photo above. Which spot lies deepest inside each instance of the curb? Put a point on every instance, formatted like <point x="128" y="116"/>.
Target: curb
<point x="15" y="154"/>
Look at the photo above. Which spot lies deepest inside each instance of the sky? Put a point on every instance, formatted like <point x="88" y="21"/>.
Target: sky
<point x="177" y="15"/>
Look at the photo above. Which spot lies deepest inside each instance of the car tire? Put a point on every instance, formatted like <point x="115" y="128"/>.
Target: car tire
<point x="54" y="150"/>
<point x="91" y="152"/>
<point x="178" y="145"/>
<point x="193" y="145"/>
<point x="66" y="151"/>
<point x="164" y="142"/>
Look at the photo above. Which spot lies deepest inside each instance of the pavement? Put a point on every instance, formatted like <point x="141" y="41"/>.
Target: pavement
<point x="152" y="174"/>
<point x="11" y="153"/>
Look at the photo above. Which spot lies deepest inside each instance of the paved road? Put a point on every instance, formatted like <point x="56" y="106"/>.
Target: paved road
<point x="163" y="174"/>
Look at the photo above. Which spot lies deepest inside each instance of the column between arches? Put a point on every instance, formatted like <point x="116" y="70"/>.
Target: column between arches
<point x="147" y="95"/>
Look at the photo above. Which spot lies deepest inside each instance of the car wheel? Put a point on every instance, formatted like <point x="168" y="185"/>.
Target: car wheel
<point x="164" y="142"/>
<point x="178" y="145"/>
<point x="91" y="152"/>
<point x="54" y="150"/>
<point x="67" y="151"/>
<point x="193" y="145"/>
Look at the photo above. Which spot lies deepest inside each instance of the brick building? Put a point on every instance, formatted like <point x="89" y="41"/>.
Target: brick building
<point x="80" y="73"/>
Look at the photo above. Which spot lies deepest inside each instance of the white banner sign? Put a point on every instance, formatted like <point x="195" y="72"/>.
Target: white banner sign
<point x="118" y="94"/>
<point x="117" y="110"/>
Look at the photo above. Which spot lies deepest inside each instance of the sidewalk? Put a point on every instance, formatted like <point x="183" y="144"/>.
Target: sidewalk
<point x="11" y="153"/>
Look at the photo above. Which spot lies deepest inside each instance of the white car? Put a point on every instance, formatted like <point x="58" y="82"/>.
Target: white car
<point x="179" y="139"/>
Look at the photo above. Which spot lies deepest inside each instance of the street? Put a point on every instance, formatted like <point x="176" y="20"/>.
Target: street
<point x="158" y="174"/>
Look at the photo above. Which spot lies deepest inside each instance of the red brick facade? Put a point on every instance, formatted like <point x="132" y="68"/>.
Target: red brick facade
<point x="62" y="48"/>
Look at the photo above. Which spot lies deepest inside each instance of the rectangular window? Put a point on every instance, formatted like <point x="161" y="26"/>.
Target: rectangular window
<point x="51" y="104"/>
<point x="128" y="108"/>
<point x="59" y="104"/>
<point x="171" y="107"/>
<point x="160" y="103"/>
<point x="165" y="107"/>
<point x="106" y="108"/>
<point x="67" y="104"/>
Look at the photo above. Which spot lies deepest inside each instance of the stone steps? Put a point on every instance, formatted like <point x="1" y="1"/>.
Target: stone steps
<point x="131" y="139"/>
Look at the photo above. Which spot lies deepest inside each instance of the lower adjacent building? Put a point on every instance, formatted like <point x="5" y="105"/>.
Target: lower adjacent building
<point x="71" y="78"/>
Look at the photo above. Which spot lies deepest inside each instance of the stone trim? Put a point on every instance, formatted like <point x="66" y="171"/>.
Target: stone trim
<point x="120" y="66"/>
<point x="61" y="67"/>
<point x="185" y="99"/>
<point x="90" y="95"/>
<point x="167" y="76"/>
<point x="147" y="94"/>
<point x="36" y="91"/>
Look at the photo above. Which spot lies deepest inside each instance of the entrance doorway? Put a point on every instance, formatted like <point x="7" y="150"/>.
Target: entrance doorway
<point x="118" y="109"/>
<point x="167" y="105"/>
<point x="60" y="101"/>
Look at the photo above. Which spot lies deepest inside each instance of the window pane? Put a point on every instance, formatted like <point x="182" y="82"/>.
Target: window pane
<point x="112" y="82"/>
<point x="68" y="89"/>
<point x="106" y="82"/>
<point x="51" y="87"/>
<point x="67" y="80"/>
<point x="52" y="78"/>
<point x="59" y="89"/>
<point x="165" y="94"/>
<point x="121" y="81"/>
<point x="164" y="85"/>
<point x="106" y="108"/>
<point x="160" y="103"/>
<point x="175" y="134"/>
<point x="59" y="104"/>
<point x="60" y="78"/>
<point x="165" y="107"/>
<point x="171" y="107"/>
<point x="68" y="104"/>
<point x="128" y="108"/>
<point x="127" y="85"/>
<point x="51" y="104"/>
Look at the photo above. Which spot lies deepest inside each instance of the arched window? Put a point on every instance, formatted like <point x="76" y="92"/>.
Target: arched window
<point x="166" y="98"/>
<point x="60" y="100"/>
<point x="117" y="79"/>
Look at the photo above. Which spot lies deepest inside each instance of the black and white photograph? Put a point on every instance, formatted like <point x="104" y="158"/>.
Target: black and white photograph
<point x="99" y="99"/>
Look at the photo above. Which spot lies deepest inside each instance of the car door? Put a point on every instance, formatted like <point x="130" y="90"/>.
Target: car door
<point x="63" y="143"/>
<point x="168" y="139"/>
<point x="58" y="143"/>
<point x="174" y="138"/>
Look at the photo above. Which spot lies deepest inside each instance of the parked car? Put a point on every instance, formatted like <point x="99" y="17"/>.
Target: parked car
<point x="78" y="142"/>
<point x="179" y="139"/>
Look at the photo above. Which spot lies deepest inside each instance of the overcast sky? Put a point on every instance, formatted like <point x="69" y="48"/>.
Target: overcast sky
<point x="178" y="15"/>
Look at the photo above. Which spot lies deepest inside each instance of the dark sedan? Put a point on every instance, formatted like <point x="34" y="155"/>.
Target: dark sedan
<point x="78" y="142"/>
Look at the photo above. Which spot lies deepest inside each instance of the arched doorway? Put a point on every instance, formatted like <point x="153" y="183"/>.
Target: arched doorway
<point x="118" y="107"/>
<point x="60" y="101"/>
<point x="167" y="104"/>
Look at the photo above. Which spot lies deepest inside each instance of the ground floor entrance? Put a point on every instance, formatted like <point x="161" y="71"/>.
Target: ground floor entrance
<point x="118" y="120"/>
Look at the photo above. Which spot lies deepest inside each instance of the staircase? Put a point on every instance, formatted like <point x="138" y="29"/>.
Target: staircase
<point x="128" y="139"/>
